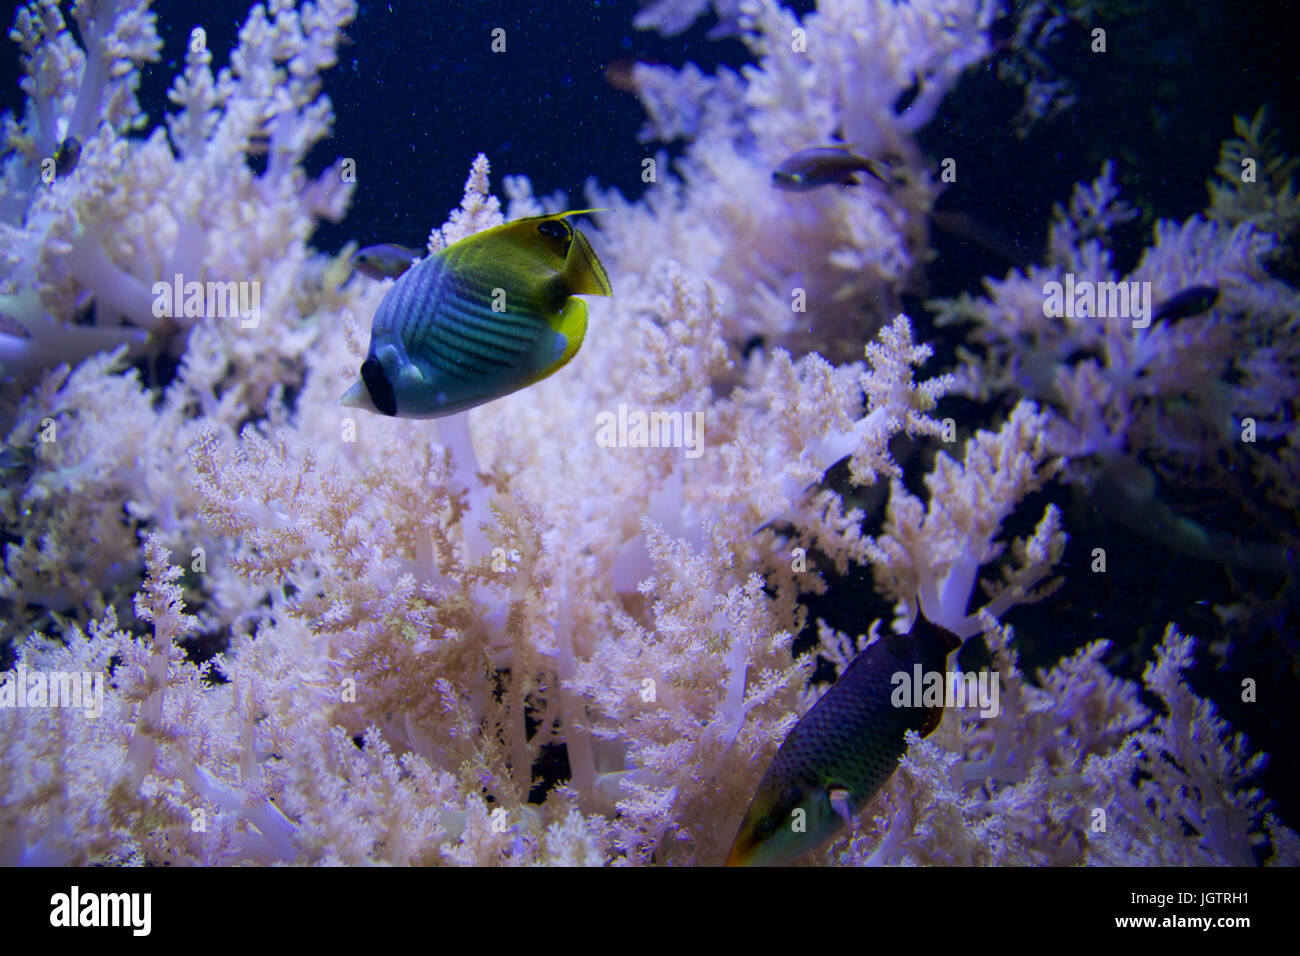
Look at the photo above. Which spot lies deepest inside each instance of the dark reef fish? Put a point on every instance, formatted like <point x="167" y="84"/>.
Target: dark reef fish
<point x="17" y="462"/>
<point x="820" y="166"/>
<point x="480" y="319"/>
<point x="66" y="156"/>
<point x="1189" y="302"/>
<point x="621" y="74"/>
<point x="842" y="751"/>
<point x="387" y="260"/>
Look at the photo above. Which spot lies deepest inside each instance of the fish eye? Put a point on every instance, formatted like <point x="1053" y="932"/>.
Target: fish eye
<point x="765" y="828"/>
<point x="553" y="229"/>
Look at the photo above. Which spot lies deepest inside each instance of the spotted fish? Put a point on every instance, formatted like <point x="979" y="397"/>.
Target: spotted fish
<point x="842" y="751"/>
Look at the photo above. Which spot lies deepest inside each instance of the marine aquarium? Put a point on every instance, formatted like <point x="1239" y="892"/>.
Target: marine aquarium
<point x="860" y="432"/>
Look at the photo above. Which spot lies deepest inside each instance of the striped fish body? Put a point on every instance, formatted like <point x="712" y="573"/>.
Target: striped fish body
<point x="842" y="751"/>
<point x="480" y="319"/>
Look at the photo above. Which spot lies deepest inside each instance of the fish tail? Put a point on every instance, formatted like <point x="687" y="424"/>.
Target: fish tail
<point x="583" y="273"/>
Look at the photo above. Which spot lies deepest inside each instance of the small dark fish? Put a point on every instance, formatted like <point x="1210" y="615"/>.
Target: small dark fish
<point x="17" y="461"/>
<point x="820" y="166"/>
<point x="384" y="261"/>
<point x="1189" y="302"/>
<point x="842" y="751"/>
<point x="620" y="74"/>
<point x="66" y="156"/>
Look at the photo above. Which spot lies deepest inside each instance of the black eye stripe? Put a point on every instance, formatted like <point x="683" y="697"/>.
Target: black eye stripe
<point x="553" y="229"/>
<point x="380" y="389"/>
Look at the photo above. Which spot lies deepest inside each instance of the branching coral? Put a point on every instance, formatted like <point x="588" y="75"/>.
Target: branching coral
<point x="1074" y="769"/>
<point x="355" y="532"/>
<point x="133" y="213"/>
<point x="414" y="622"/>
<point x="1121" y="387"/>
<point x="365" y="539"/>
<point x="1039" y="25"/>
<point x="1130" y="397"/>
<point x="1255" y="183"/>
<point x="826" y="266"/>
<point x="931" y="554"/>
<point x="671" y="17"/>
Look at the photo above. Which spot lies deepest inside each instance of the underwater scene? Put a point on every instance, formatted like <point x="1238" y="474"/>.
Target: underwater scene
<point x="674" y="432"/>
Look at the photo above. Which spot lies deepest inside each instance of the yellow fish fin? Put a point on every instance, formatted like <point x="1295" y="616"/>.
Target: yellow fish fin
<point x="583" y="273"/>
<point x="572" y="325"/>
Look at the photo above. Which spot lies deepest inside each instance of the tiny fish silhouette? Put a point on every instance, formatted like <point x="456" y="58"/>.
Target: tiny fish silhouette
<point x="1189" y="302"/>
<point x="842" y="751"/>
<point x="387" y="260"/>
<point x="484" y="317"/>
<point x="66" y="156"/>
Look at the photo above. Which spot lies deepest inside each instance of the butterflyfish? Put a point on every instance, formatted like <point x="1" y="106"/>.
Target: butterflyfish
<point x="840" y="753"/>
<point x="480" y="319"/>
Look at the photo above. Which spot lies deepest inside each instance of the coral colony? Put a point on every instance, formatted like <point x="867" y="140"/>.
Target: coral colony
<point x="611" y="564"/>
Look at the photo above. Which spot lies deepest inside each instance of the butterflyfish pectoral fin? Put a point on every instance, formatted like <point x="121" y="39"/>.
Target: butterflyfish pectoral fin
<point x="390" y="356"/>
